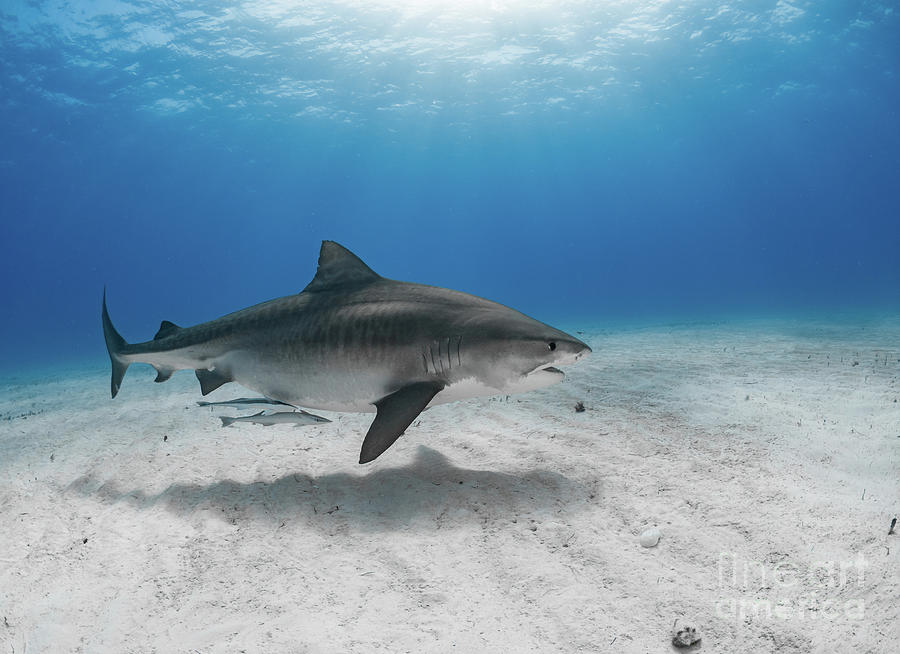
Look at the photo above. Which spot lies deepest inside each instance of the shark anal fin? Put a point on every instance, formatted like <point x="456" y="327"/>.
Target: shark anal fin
<point x="395" y="413"/>
<point x="166" y="329"/>
<point x="163" y="373"/>
<point x="210" y="380"/>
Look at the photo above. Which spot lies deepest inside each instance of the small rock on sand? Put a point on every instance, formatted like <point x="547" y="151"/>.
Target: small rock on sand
<point x="685" y="637"/>
<point x="650" y="537"/>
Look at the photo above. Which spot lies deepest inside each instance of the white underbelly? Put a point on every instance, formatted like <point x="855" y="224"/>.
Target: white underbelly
<point x="354" y="390"/>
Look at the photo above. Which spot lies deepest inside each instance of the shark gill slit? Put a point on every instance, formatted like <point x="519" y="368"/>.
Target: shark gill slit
<point x="425" y="361"/>
<point x="449" y="358"/>
<point x="431" y="349"/>
<point x="440" y="357"/>
<point x="458" y="344"/>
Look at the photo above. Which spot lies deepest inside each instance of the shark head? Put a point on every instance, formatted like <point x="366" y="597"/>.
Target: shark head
<point x="513" y="353"/>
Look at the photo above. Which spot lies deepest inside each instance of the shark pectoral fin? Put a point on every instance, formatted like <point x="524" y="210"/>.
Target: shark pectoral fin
<point x="210" y="380"/>
<point x="395" y="413"/>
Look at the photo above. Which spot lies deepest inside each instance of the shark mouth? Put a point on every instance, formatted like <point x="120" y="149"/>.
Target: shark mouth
<point x="543" y="371"/>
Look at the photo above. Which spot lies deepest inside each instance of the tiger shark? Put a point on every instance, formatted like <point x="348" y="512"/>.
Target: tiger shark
<point x="353" y="340"/>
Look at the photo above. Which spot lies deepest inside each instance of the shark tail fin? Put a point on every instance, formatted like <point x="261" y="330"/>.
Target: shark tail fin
<point x="226" y="420"/>
<point x="115" y="344"/>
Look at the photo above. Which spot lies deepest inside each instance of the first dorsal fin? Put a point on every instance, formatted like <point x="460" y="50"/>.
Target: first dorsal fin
<point x="339" y="267"/>
<point x="166" y="329"/>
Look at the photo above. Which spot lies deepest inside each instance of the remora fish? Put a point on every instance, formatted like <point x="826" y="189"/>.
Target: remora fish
<point x="247" y="402"/>
<point x="265" y="419"/>
<point x="355" y="341"/>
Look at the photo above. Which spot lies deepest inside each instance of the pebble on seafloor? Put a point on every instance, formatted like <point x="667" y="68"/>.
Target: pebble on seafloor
<point x="685" y="637"/>
<point x="650" y="537"/>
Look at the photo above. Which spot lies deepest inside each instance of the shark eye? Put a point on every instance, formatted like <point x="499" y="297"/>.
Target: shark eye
<point x="552" y="346"/>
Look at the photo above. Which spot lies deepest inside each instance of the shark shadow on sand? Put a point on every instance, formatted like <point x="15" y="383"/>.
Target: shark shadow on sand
<point x="424" y="491"/>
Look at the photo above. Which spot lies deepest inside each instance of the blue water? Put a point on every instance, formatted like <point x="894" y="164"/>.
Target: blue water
<point x="581" y="161"/>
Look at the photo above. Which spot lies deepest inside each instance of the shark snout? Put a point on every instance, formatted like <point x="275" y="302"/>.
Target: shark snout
<point x="569" y="349"/>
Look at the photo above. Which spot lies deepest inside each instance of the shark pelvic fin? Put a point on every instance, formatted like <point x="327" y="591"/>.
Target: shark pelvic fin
<point x="395" y="413"/>
<point x="114" y="346"/>
<point x="210" y="380"/>
<point x="166" y="329"/>
<point x="339" y="267"/>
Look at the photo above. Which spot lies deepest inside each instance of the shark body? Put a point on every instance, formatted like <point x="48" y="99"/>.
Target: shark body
<point x="355" y="341"/>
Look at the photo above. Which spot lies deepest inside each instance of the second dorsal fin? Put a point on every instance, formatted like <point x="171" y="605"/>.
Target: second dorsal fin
<point x="339" y="267"/>
<point x="166" y="329"/>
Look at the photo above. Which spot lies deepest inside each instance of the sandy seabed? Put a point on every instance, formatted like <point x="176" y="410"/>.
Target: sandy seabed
<point x="766" y="453"/>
